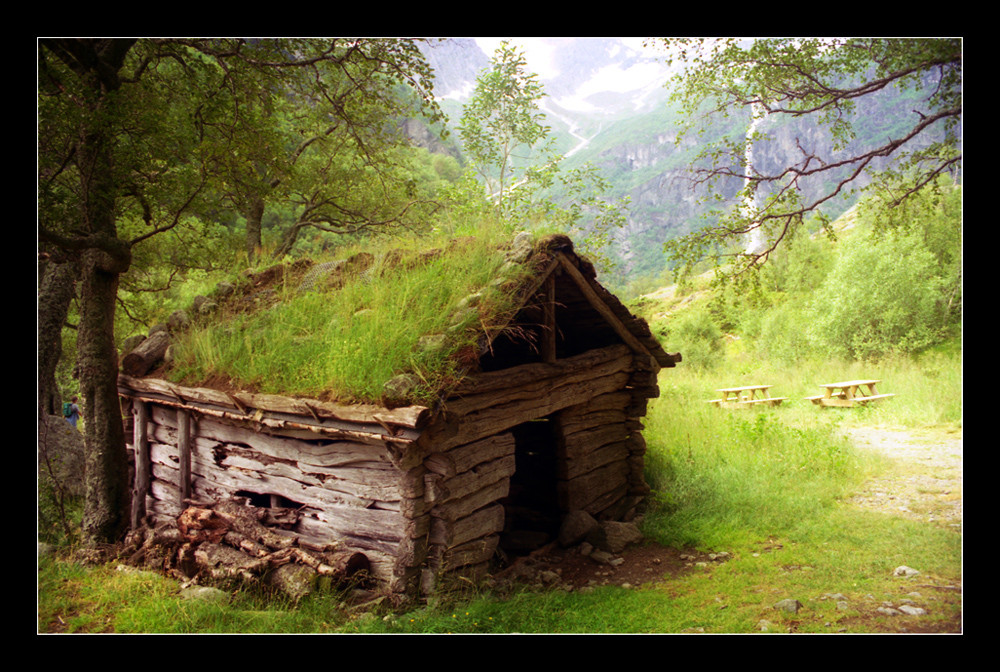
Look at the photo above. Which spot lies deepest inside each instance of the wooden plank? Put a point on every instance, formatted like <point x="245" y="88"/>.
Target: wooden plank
<point x="744" y="388"/>
<point x="318" y="452"/>
<point x="772" y="401"/>
<point x="184" y="450"/>
<point x="850" y="383"/>
<point x="304" y="427"/>
<point x="245" y="403"/>
<point x="140" y="448"/>
<point x="874" y="397"/>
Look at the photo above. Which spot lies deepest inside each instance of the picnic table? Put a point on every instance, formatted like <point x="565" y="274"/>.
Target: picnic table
<point x="848" y="393"/>
<point x="746" y="396"/>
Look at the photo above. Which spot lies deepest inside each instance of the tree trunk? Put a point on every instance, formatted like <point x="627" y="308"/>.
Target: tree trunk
<point x="56" y="289"/>
<point x="106" y="503"/>
<point x="106" y="510"/>
<point x="288" y="241"/>
<point x="254" y="217"/>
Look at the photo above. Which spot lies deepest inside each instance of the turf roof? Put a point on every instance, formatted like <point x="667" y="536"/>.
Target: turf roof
<point x="341" y="329"/>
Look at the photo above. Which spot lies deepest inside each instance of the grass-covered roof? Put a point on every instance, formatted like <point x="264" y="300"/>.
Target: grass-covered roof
<point x="341" y="329"/>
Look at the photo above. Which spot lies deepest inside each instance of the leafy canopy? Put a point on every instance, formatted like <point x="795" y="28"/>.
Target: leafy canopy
<point x="827" y="82"/>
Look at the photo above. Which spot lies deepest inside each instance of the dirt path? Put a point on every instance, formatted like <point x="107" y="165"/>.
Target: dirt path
<point x="927" y="483"/>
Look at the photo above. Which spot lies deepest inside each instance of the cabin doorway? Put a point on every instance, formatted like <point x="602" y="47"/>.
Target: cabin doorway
<point x="531" y="510"/>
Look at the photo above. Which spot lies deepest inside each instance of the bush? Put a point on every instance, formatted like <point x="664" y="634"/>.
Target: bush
<point x="697" y="337"/>
<point x="881" y="298"/>
<point x="783" y="334"/>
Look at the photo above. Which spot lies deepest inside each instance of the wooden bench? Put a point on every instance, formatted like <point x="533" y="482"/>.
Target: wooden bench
<point x="845" y="394"/>
<point x="863" y="400"/>
<point x="773" y="401"/>
<point x="746" y="396"/>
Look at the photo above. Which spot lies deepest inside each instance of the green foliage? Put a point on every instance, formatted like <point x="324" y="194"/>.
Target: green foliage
<point x="502" y="118"/>
<point x="696" y="336"/>
<point x="875" y="291"/>
<point x="828" y="81"/>
<point x="512" y="152"/>
<point x="881" y="297"/>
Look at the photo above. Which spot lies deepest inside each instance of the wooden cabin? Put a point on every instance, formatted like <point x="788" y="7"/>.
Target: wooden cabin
<point x="540" y="427"/>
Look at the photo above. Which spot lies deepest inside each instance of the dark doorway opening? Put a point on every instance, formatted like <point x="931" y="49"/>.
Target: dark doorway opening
<point x="532" y="514"/>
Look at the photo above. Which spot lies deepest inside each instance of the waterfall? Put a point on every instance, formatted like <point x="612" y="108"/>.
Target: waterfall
<point x="755" y="238"/>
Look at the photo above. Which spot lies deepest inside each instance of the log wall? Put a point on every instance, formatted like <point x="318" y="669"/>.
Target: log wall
<point x="592" y="400"/>
<point x="350" y="495"/>
<point x="424" y="504"/>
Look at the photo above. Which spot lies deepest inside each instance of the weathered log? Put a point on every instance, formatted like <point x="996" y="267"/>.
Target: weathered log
<point x="581" y="492"/>
<point x="239" y="462"/>
<point x="572" y="424"/>
<point x="469" y="553"/>
<point x="496" y="418"/>
<point x="462" y="485"/>
<point x="140" y="448"/>
<point x="457" y="509"/>
<point x="184" y="449"/>
<point x="245" y="403"/>
<point x="463" y="458"/>
<point x="526" y="374"/>
<point x="580" y="443"/>
<point x="149" y="352"/>
<point x="484" y="521"/>
<point x="585" y="462"/>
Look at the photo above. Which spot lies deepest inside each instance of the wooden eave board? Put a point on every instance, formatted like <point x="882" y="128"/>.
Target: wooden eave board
<point x="399" y="423"/>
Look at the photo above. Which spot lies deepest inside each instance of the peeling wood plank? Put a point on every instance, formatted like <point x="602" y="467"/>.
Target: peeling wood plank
<point x="243" y="403"/>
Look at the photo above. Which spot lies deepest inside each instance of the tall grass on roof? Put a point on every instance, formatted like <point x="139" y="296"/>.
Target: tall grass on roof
<point x="345" y="343"/>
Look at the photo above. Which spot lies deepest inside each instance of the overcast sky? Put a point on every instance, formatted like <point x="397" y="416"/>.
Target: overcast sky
<point x="538" y="52"/>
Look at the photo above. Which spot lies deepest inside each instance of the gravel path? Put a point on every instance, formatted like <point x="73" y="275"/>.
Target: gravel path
<point x="927" y="485"/>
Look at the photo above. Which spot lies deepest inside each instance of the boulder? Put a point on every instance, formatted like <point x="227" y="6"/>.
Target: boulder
<point x="575" y="528"/>
<point x="614" y="536"/>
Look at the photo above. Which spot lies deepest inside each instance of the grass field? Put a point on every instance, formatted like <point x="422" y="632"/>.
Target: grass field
<point x="771" y="487"/>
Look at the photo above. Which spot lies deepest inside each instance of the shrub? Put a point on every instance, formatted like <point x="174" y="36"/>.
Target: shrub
<point x="697" y="337"/>
<point x="881" y="298"/>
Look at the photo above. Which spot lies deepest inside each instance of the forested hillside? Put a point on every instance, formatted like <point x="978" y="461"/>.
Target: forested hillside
<point x="860" y="294"/>
<point x="636" y="141"/>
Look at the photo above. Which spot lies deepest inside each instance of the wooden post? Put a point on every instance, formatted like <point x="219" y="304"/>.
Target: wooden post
<point x="184" y="448"/>
<point x="549" y="326"/>
<point x="140" y="447"/>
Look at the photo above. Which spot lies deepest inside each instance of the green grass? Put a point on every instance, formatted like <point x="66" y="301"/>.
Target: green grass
<point x="769" y="486"/>
<point x="346" y="343"/>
